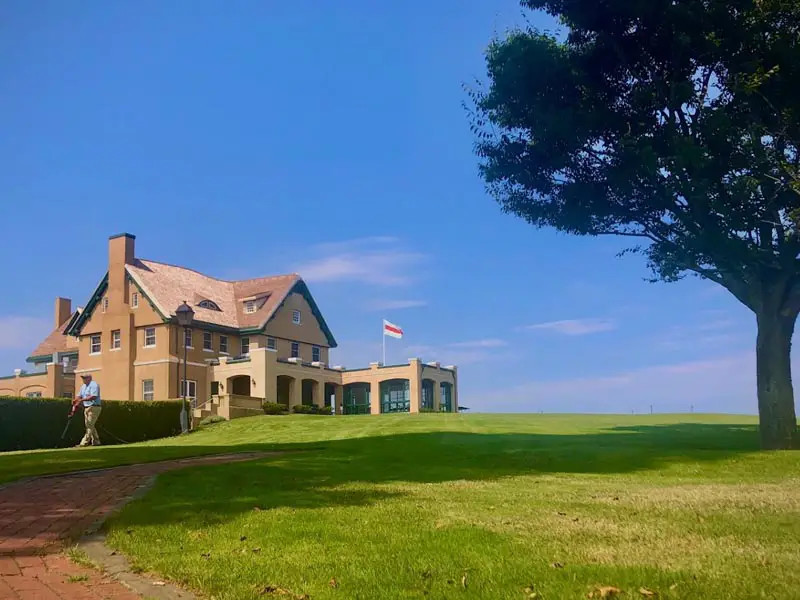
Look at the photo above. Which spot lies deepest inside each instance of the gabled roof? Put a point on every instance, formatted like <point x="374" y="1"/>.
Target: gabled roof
<point x="57" y="341"/>
<point x="168" y="286"/>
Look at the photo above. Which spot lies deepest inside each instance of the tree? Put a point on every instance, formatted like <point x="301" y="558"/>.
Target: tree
<point x="674" y="122"/>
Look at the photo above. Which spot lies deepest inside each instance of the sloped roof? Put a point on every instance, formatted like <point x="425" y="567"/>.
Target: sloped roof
<point x="168" y="286"/>
<point x="57" y="341"/>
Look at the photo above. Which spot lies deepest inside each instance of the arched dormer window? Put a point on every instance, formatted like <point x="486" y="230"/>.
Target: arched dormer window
<point x="208" y="304"/>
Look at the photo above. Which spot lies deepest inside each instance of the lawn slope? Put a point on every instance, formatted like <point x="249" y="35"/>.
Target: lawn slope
<point x="474" y="506"/>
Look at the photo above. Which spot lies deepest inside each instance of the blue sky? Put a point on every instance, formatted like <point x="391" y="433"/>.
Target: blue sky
<point x="253" y="138"/>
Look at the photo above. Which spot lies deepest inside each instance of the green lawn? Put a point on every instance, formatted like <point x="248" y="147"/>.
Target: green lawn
<point x="473" y="506"/>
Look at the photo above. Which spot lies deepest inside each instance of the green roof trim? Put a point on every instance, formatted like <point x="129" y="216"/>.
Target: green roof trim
<point x="40" y="358"/>
<point x="301" y="288"/>
<point x="75" y="328"/>
<point x="165" y="318"/>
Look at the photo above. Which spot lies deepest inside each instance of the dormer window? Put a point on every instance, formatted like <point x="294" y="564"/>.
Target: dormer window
<point x="250" y="307"/>
<point x="296" y="317"/>
<point x="208" y="304"/>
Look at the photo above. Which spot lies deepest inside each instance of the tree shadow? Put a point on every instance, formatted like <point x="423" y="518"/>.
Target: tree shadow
<point x="362" y="471"/>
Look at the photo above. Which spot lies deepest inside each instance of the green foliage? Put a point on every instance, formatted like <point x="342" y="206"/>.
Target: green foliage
<point x="275" y="408"/>
<point x="211" y="419"/>
<point x="311" y="409"/>
<point x="676" y="124"/>
<point x="31" y="423"/>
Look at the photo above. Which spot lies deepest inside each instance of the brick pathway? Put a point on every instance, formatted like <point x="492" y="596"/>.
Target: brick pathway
<point x="38" y="516"/>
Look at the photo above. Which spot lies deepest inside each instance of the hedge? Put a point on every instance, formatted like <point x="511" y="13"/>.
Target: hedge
<point x="31" y="423"/>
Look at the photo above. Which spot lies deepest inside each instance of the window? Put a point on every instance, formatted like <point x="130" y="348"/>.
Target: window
<point x="223" y="344"/>
<point x="208" y="341"/>
<point x="135" y="300"/>
<point x="191" y="390"/>
<point x="250" y="307"/>
<point x="245" y="346"/>
<point x="94" y="344"/>
<point x="187" y="338"/>
<point x="215" y="388"/>
<point x="33" y="395"/>
<point x="147" y="390"/>
<point x="296" y="317"/>
<point x="116" y="339"/>
<point x="271" y="343"/>
<point x="295" y="349"/>
<point x="149" y="337"/>
<point x="67" y="395"/>
<point x="315" y="353"/>
<point x="208" y="304"/>
<point x="105" y="304"/>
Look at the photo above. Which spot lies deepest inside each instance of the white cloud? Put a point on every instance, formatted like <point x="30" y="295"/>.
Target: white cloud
<point x="574" y="326"/>
<point x="22" y="333"/>
<point x="395" y="304"/>
<point x="722" y="384"/>
<point x="377" y="260"/>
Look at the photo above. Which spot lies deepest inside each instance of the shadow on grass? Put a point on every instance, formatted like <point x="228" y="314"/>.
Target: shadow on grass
<point x="346" y="472"/>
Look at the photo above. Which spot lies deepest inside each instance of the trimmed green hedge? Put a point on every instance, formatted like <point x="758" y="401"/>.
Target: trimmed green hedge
<point x="31" y="423"/>
<point x="311" y="409"/>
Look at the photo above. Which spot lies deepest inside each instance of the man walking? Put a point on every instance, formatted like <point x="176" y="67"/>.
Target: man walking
<point x="90" y="395"/>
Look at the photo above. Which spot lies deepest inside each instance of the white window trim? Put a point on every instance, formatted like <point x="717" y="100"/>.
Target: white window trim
<point x="191" y="334"/>
<point x="113" y="349"/>
<point x="296" y="313"/>
<point x="250" y="307"/>
<point x="221" y="351"/>
<point x="291" y="349"/>
<point x="91" y="344"/>
<point x="152" y="393"/>
<point x="318" y="351"/>
<point x="146" y="345"/>
<point x="273" y="345"/>
<point x="241" y="346"/>
<point x="211" y="349"/>
<point x="135" y="300"/>
<point x="194" y="381"/>
<point x="104" y="304"/>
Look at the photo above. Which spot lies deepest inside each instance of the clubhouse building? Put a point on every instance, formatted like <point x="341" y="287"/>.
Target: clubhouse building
<point x="250" y="341"/>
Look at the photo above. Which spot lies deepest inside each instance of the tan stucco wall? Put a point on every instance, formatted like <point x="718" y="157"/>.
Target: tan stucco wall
<point x="52" y="383"/>
<point x="308" y="332"/>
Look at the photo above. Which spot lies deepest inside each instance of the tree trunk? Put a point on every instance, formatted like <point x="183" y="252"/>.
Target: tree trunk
<point x="776" y="412"/>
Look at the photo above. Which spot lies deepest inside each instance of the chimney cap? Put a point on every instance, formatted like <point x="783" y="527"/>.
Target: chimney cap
<point x="117" y="235"/>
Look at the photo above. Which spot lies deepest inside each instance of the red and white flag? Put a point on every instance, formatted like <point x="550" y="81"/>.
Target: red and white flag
<point x="392" y="330"/>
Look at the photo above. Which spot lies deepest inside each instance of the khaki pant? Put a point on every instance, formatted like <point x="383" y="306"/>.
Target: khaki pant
<point x="90" y="416"/>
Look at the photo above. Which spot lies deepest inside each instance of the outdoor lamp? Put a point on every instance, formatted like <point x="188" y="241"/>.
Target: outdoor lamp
<point x="184" y="314"/>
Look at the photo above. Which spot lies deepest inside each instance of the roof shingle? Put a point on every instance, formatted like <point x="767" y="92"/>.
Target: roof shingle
<point x="168" y="286"/>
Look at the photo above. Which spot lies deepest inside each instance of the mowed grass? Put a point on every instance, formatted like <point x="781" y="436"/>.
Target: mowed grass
<point x="472" y="506"/>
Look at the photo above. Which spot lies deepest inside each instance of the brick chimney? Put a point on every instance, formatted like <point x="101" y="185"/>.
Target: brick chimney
<point x="63" y="311"/>
<point x="121" y="249"/>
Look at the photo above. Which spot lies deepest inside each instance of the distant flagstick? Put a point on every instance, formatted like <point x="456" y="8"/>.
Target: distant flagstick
<point x="391" y="330"/>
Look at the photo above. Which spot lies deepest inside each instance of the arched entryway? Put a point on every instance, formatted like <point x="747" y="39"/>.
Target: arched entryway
<point x="356" y="399"/>
<point x="239" y="385"/>
<point x="285" y="386"/>
<point x="426" y="400"/>
<point x="310" y="391"/>
<point x="395" y="396"/>
<point x="446" y="403"/>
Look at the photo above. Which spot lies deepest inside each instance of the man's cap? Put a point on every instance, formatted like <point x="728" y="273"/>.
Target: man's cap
<point x="86" y="375"/>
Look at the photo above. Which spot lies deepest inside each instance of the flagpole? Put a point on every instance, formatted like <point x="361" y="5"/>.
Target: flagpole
<point x="383" y="339"/>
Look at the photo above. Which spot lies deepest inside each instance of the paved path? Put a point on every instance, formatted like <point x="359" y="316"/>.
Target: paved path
<point x="39" y="515"/>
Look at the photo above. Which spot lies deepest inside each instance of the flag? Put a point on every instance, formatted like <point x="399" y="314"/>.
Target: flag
<point x="392" y="330"/>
